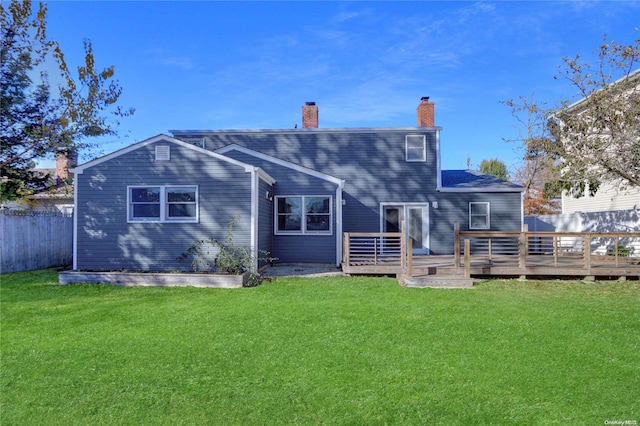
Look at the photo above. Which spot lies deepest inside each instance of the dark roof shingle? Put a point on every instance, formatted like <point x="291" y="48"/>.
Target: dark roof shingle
<point x="471" y="179"/>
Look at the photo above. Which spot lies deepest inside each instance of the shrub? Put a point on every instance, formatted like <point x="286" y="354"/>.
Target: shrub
<point x="623" y="251"/>
<point x="223" y="256"/>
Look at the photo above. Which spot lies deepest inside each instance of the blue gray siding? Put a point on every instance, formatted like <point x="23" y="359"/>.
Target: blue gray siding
<point x="289" y="182"/>
<point x="454" y="206"/>
<point x="106" y="241"/>
<point x="373" y="165"/>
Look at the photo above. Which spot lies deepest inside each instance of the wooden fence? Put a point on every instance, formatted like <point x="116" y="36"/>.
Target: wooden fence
<point x="35" y="240"/>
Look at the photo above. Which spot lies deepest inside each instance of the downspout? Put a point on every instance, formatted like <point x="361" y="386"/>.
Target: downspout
<point x="339" y="223"/>
<point x="439" y="172"/>
<point x="254" y="217"/>
<point x="75" y="219"/>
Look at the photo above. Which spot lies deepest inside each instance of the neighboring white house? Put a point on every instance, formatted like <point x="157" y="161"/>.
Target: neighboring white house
<point x="611" y="209"/>
<point x="607" y="198"/>
<point x="610" y="196"/>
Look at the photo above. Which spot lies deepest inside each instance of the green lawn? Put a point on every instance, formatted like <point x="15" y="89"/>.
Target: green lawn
<point x="361" y="351"/>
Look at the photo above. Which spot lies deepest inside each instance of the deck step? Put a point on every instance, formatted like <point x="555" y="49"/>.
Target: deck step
<point x="438" y="281"/>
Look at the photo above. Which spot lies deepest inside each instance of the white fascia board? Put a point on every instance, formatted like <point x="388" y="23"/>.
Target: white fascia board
<point x="265" y="176"/>
<point x="159" y="138"/>
<point x="632" y="76"/>
<point x="254" y="218"/>
<point x="280" y="162"/>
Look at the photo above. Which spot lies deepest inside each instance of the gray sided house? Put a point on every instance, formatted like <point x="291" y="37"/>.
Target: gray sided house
<point x="141" y="207"/>
<point x="295" y="192"/>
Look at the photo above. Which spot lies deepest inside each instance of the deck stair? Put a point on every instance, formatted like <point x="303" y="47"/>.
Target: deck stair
<point x="437" y="281"/>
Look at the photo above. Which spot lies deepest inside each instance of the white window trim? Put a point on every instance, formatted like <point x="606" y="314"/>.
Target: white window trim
<point x="303" y="221"/>
<point x="424" y="149"/>
<point x="164" y="218"/>
<point x="488" y="215"/>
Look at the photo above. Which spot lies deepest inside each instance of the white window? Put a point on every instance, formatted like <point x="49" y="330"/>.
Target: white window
<point x="162" y="203"/>
<point x="416" y="148"/>
<point x="479" y="216"/>
<point x="303" y="215"/>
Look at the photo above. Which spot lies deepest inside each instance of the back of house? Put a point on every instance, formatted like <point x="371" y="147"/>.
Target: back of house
<point x="294" y="193"/>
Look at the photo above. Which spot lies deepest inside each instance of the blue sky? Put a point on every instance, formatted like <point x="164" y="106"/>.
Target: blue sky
<point x="252" y="65"/>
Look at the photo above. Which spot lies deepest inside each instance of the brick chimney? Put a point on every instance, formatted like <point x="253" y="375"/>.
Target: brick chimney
<point x="64" y="161"/>
<point x="310" y="115"/>
<point x="426" y="113"/>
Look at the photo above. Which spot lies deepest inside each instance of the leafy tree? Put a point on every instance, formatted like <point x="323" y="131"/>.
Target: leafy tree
<point x="495" y="167"/>
<point x="598" y="138"/>
<point x="35" y="119"/>
<point x="538" y="167"/>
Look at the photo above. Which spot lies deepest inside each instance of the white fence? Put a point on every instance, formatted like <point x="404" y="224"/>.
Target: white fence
<point x="609" y="221"/>
<point x="35" y="240"/>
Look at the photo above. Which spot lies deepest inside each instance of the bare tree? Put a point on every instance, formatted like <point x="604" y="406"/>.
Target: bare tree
<point x="537" y="167"/>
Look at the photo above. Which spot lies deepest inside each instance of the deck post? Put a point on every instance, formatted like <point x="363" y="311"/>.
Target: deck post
<point x="555" y="251"/>
<point x="522" y="251"/>
<point x="467" y="258"/>
<point x="375" y="250"/>
<point x="403" y="245"/>
<point x="586" y="252"/>
<point x="490" y="257"/>
<point x="346" y="250"/>
<point x="456" y="245"/>
<point x="410" y="261"/>
<point x="615" y="246"/>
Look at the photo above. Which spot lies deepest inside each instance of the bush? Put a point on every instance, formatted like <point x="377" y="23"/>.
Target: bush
<point x="623" y="251"/>
<point x="211" y="255"/>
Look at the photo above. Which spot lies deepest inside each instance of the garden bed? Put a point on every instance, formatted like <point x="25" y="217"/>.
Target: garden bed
<point x="155" y="279"/>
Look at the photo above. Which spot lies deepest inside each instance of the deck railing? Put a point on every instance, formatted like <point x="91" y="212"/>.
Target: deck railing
<point x="498" y="253"/>
<point x="548" y="253"/>
<point x="374" y="253"/>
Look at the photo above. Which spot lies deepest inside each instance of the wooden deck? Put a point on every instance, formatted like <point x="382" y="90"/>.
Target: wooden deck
<point x="499" y="254"/>
<point x="535" y="265"/>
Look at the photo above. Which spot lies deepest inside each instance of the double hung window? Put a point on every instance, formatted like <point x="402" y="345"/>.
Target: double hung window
<point x="416" y="148"/>
<point x="479" y="216"/>
<point x="162" y="203"/>
<point x="303" y="215"/>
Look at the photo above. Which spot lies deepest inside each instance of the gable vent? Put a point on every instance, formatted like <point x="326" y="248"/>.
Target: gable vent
<point x="163" y="153"/>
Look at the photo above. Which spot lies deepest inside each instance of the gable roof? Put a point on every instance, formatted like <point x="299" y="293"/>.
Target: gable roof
<point x="280" y="162"/>
<point x="471" y="180"/>
<point x="169" y="139"/>
<point x="630" y="78"/>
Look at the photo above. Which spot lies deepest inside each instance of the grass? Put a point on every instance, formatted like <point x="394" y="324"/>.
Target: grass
<point x="318" y="351"/>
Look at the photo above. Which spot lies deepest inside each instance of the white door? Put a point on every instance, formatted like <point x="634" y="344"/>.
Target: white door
<point x="416" y="216"/>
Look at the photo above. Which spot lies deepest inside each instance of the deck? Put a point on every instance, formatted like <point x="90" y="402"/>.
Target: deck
<point x="498" y="254"/>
